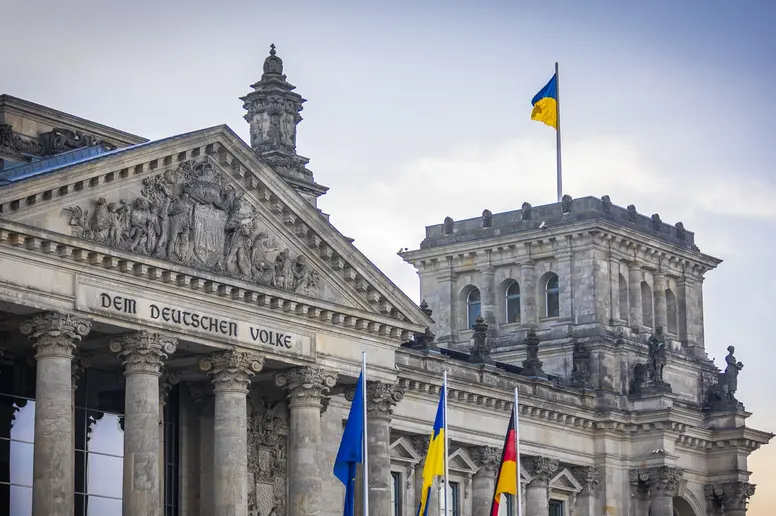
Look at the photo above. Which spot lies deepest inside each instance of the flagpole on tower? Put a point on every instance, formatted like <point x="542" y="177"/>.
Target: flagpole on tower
<point x="364" y="441"/>
<point x="518" y="497"/>
<point x="557" y="134"/>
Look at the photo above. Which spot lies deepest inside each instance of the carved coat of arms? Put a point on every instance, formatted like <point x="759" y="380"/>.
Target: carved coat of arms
<point x="193" y="215"/>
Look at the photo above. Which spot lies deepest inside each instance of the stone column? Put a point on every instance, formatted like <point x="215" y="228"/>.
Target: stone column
<point x="420" y="443"/>
<point x="735" y="497"/>
<point x="488" y="290"/>
<point x="659" y="292"/>
<point x="487" y="460"/>
<point x="305" y="387"/>
<point x="381" y="398"/>
<point x="202" y="395"/>
<point x="635" y="316"/>
<point x="663" y="484"/>
<point x="590" y="478"/>
<point x="55" y="336"/>
<point x="231" y="373"/>
<point x="542" y="470"/>
<point x="143" y="354"/>
<point x="529" y="316"/>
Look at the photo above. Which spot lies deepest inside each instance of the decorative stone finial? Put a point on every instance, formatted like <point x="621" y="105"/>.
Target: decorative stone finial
<point x="565" y="204"/>
<point x="607" y="201"/>
<point x="632" y="213"/>
<point x="681" y="234"/>
<point x="425" y="309"/>
<point x="273" y="65"/>
<point x="657" y="224"/>
<point x="525" y="211"/>
<point x="532" y="366"/>
<point x="487" y="218"/>
<point x="480" y="351"/>
<point x="447" y="226"/>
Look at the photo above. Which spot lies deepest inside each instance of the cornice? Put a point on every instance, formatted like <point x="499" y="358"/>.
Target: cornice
<point x="596" y="234"/>
<point x="234" y="158"/>
<point x="83" y="256"/>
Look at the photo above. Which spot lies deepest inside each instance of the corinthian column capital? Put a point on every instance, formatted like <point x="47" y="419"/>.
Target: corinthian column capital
<point x="143" y="352"/>
<point x="55" y="334"/>
<point x="541" y="468"/>
<point x="306" y="385"/>
<point x="487" y="458"/>
<point x="231" y="370"/>
<point x="381" y="398"/>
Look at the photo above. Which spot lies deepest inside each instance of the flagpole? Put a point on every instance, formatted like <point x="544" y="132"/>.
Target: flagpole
<point x="557" y="134"/>
<point x="447" y="476"/>
<point x="517" y="456"/>
<point x="364" y="441"/>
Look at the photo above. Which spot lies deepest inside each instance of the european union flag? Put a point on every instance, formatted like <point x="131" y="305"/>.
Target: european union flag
<point x="351" y="450"/>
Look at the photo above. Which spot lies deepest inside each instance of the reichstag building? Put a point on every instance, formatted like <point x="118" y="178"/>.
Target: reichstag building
<point x="180" y="328"/>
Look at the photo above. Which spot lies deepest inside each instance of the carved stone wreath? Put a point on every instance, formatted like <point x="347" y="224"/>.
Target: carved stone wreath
<point x="193" y="215"/>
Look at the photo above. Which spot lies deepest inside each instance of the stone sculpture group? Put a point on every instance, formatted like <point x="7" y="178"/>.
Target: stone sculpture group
<point x="192" y="215"/>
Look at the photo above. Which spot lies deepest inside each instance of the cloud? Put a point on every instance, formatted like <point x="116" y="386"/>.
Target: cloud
<point x="392" y="210"/>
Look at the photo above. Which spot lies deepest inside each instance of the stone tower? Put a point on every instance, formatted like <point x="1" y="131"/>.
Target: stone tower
<point x="273" y="112"/>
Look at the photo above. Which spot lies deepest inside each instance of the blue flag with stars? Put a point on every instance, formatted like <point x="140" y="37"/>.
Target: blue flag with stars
<point x="351" y="450"/>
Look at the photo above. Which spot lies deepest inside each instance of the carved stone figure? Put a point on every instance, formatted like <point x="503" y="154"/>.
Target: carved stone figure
<point x="487" y="218"/>
<point x="193" y="214"/>
<point x="607" y="203"/>
<point x="681" y="234"/>
<point x="447" y="227"/>
<point x="657" y="354"/>
<point x="657" y="224"/>
<point x="565" y="203"/>
<point x="731" y="373"/>
<point x="580" y="372"/>
<point x="632" y="213"/>
<point x="267" y="455"/>
<point x="525" y="211"/>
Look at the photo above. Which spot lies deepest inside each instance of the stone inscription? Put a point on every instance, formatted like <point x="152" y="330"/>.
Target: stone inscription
<point x="190" y="320"/>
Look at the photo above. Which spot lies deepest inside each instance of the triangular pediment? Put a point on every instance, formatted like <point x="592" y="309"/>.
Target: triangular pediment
<point x="565" y="481"/>
<point x="461" y="461"/>
<point x="402" y="449"/>
<point x="205" y="200"/>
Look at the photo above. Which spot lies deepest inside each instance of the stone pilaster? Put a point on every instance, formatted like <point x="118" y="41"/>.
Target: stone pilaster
<point x="590" y="478"/>
<point x="381" y="398"/>
<point x="487" y="460"/>
<point x="529" y="316"/>
<point x="305" y="387"/>
<point x="488" y="290"/>
<point x="542" y="469"/>
<point x="55" y="336"/>
<point x="421" y="443"/>
<point x="445" y="301"/>
<point x="204" y="402"/>
<point x="660" y="484"/>
<point x="142" y="354"/>
<point x="231" y="373"/>
<point x="635" y="316"/>
<point x="659" y="292"/>
<point x="565" y="284"/>
<point x="614" y="287"/>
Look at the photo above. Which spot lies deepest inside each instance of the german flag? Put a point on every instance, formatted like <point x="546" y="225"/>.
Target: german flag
<point x="506" y="481"/>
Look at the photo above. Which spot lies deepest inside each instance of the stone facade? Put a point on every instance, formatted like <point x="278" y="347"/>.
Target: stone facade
<point x="224" y="320"/>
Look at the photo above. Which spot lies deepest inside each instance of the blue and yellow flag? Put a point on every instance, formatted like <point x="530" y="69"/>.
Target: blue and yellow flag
<point x="435" y="458"/>
<point x="545" y="104"/>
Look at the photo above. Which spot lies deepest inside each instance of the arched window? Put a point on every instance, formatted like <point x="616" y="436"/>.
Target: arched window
<point x="552" y="297"/>
<point x="671" y="311"/>
<point x="623" y="298"/>
<point x="513" y="303"/>
<point x="472" y="307"/>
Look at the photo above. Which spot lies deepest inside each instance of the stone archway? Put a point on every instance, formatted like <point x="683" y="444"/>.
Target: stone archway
<point x="682" y="507"/>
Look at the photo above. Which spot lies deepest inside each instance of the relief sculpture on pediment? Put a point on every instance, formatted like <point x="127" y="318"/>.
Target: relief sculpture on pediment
<point x="193" y="215"/>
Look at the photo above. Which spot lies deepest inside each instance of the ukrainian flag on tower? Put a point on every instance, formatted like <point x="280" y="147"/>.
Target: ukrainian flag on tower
<point x="545" y="104"/>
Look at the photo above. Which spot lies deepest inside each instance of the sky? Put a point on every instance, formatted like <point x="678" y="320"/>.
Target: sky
<point x="420" y="110"/>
